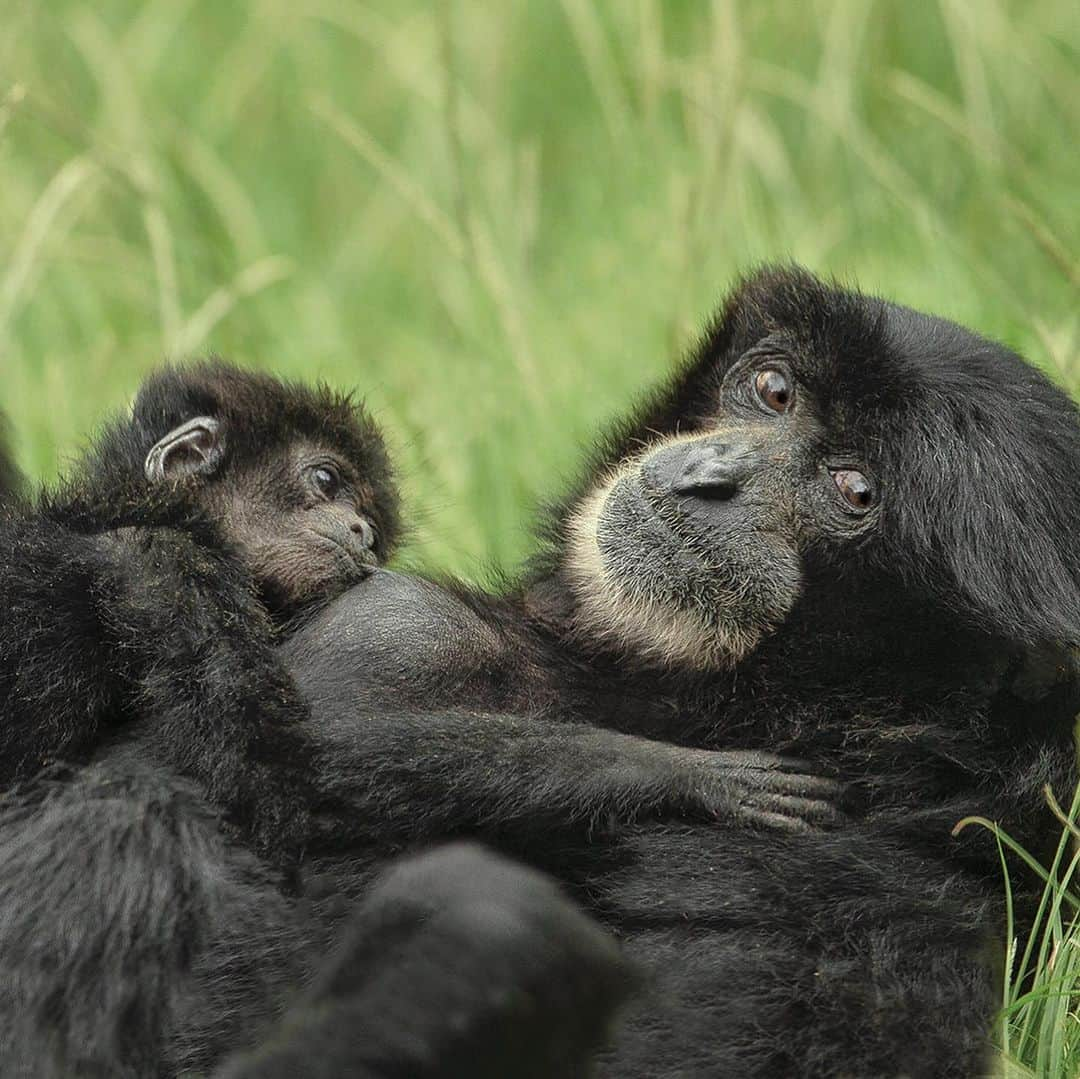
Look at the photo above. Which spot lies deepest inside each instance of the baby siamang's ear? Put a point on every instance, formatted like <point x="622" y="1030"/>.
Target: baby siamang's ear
<point x="194" y="448"/>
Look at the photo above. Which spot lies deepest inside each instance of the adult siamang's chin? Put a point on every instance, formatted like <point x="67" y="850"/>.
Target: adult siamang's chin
<point x="675" y="581"/>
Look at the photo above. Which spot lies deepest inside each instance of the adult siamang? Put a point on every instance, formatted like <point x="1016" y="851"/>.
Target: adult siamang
<point x="844" y="531"/>
<point x="145" y="599"/>
<point x="843" y="461"/>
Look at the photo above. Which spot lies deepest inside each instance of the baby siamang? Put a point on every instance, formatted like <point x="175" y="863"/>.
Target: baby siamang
<point x="145" y="598"/>
<point x="272" y="496"/>
<point x="845" y="531"/>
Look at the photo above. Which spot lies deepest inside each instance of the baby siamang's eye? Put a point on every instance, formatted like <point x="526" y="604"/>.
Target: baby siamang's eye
<point x="774" y="389"/>
<point x="326" y="480"/>
<point x="856" y="489"/>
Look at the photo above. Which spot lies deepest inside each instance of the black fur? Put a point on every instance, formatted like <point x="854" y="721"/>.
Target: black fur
<point x="137" y="942"/>
<point x="930" y="659"/>
<point x="458" y="965"/>
<point x="863" y="951"/>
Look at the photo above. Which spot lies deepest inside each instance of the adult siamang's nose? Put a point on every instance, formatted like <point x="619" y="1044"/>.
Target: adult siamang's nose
<point x="712" y="470"/>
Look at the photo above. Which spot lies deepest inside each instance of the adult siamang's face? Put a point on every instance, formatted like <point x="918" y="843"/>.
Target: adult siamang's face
<point x="824" y="448"/>
<point x="695" y="545"/>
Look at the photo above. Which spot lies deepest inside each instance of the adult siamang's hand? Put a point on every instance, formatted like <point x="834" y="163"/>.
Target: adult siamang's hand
<point x="762" y="789"/>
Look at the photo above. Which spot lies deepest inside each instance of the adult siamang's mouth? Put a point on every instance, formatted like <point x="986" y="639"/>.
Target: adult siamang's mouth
<point x="630" y="505"/>
<point x="643" y="527"/>
<point x="633" y="504"/>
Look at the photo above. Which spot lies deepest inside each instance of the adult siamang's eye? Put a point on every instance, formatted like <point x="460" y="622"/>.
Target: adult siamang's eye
<point x="774" y="389"/>
<point x="326" y="480"/>
<point x="856" y="489"/>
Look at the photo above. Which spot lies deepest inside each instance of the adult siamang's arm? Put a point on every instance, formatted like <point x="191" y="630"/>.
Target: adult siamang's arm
<point x="221" y="705"/>
<point x="422" y="775"/>
<point x="459" y="964"/>
<point x="387" y="671"/>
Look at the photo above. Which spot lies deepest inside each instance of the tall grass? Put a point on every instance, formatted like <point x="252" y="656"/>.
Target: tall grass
<point x="502" y="218"/>
<point x="1038" y="1029"/>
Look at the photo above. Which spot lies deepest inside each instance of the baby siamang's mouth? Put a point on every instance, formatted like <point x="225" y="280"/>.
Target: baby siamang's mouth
<point x="360" y="558"/>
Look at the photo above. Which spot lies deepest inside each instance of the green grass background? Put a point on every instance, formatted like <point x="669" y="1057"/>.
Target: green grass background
<point x="502" y="219"/>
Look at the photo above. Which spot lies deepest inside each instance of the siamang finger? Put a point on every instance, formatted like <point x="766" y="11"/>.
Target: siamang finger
<point x="811" y="809"/>
<point x="777" y="821"/>
<point x="803" y="783"/>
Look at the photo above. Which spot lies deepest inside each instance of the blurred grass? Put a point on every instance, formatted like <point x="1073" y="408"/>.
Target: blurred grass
<point x="501" y="219"/>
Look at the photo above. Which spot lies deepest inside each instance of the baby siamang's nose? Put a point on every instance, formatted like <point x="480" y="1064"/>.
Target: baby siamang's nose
<point x="362" y="527"/>
<point x="712" y="470"/>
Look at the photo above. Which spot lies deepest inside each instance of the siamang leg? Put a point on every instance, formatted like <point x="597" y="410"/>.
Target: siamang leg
<point x="459" y="964"/>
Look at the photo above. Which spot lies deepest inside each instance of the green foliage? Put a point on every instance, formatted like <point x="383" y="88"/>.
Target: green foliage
<point x="1039" y="1025"/>
<point x="503" y="219"/>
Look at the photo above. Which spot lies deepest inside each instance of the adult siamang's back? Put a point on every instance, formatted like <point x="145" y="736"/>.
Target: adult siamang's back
<point x="845" y="531"/>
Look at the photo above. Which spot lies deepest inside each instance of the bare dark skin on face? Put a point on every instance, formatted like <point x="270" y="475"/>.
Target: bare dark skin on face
<point x="300" y="522"/>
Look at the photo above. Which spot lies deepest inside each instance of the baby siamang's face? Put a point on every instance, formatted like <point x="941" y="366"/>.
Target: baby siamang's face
<point x="693" y="549"/>
<point x="304" y="521"/>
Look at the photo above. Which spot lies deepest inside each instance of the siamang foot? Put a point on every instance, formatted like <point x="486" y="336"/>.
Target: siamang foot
<point x="459" y="964"/>
<point x="768" y="790"/>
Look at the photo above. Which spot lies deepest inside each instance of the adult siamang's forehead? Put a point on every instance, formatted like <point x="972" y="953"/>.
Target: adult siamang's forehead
<point x="868" y="376"/>
<point x="877" y="373"/>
